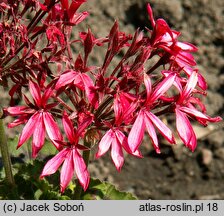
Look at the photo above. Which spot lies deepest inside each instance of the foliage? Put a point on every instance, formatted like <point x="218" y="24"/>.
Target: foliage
<point x="30" y="186"/>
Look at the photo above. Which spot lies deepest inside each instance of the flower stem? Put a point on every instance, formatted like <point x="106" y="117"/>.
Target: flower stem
<point x="5" y="154"/>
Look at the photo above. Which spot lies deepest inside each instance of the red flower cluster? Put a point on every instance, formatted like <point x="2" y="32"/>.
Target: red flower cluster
<point x="116" y="103"/>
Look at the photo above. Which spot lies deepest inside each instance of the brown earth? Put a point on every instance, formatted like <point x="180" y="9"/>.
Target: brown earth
<point x="176" y="173"/>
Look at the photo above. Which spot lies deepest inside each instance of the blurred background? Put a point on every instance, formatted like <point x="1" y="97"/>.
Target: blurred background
<point x="176" y="173"/>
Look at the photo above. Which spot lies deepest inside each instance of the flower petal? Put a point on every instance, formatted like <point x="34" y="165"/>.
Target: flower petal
<point x="17" y="122"/>
<point x="164" y="130"/>
<point x="191" y="83"/>
<point x="185" y="130"/>
<point x="66" y="78"/>
<point x="152" y="133"/>
<point x="68" y="127"/>
<point x="52" y="129"/>
<point x="202" y="82"/>
<point x="124" y="142"/>
<point x="117" y="154"/>
<point x="199" y="115"/>
<point x="19" y="110"/>
<point x="105" y="143"/>
<point x="67" y="170"/>
<point x="89" y="88"/>
<point x="38" y="136"/>
<point x="137" y="132"/>
<point x="28" y="129"/>
<point x="162" y="87"/>
<point x="53" y="164"/>
<point x="187" y="46"/>
<point x="47" y="94"/>
<point x="148" y="86"/>
<point x="35" y="92"/>
<point x="81" y="170"/>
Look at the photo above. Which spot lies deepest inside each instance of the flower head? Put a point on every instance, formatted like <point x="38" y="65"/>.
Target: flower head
<point x="37" y="117"/>
<point x="70" y="157"/>
<point x="185" y="109"/>
<point x="147" y="120"/>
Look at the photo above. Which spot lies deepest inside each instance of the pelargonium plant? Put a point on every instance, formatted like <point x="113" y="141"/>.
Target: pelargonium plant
<point x="98" y="104"/>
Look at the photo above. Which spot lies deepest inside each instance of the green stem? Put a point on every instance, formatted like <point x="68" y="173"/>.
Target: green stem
<point x="5" y="155"/>
<point x="88" y="140"/>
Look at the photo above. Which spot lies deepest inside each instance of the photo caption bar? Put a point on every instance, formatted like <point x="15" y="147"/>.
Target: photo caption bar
<point x="111" y="207"/>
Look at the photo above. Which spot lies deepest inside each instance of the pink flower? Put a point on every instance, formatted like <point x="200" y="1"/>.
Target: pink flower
<point x="81" y="81"/>
<point x="147" y="120"/>
<point x="70" y="157"/>
<point x="167" y="39"/>
<point x="38" y="119"/>
<point x="124" y="107"/>
<point x="115" y="140"/>
<point x="185" y="109"/>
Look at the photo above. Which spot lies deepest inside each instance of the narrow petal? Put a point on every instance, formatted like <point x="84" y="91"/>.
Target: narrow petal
<point x="78" y="81"/>
<point x="83" y="125"/>
<point x="68" y="127"/>
<point x="28" y="129"/>
<point x="117" y="110"/>
<point x="79" y="17"/>
<point x="148" y="86"/>
<point x="47" y="94"/>
<point x="35" y="92"/>
<point x="18" y="110"/>
<point x="19" y="121"/>
<point x="191" y="83"/>
<point x="164" y="130"/>
<point x="105" y="143"/>
<point x="152" y="133"/>
<point x="67" y="170"/>
<point x="186" y="58"/>
<point x="117" y="154"/>
<point x="200" y="115"/>
<point x="66" y="78"/>
<point x="81" y="170"/>
<point x="89" y="88"/>
<point x="54" y="163"/>
<point x="177" y="81"/>
<point x="187" y="46"/>
<point x="38" y="136"/>
<point x="129" y="113"/>
<point x="202" y="82"/>
<point x="162" y="87"/>
<point x="52" y="129"/>
<point x="162" y="34"/>
<point x="124" y="142"/>
<point x="137" y="132"/>
<point x="185" y="130"/>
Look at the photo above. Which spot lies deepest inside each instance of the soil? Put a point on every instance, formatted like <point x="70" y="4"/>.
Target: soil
<point x="176" y="173"/>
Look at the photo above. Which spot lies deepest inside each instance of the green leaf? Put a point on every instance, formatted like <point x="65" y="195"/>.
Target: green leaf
<point x="103" y="190"/>
<point x="53" y="195"/>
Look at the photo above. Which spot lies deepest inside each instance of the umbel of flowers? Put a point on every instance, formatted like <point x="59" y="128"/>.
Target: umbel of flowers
<point x="98" y="104"/>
